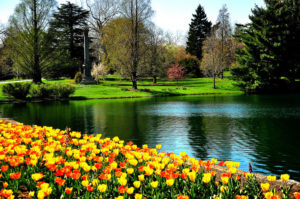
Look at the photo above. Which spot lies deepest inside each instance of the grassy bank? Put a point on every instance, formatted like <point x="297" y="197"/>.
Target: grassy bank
<point x="115" y="87"/>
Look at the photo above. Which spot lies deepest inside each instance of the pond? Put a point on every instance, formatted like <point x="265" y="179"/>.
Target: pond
<point x="260" y="129"/>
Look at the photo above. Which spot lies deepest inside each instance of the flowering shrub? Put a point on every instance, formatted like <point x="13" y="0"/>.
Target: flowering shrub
<point x="176" y="72"/>
<point x="42" y="162"/>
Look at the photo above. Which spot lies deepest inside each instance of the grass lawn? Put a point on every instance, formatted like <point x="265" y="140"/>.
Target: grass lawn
<point x="115" y="87"/>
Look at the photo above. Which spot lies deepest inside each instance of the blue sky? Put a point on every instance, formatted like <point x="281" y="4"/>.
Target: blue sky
<point x="172" y="15"/>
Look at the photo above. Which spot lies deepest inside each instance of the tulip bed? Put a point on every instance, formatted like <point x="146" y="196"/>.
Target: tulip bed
<point x="42" y="162"/>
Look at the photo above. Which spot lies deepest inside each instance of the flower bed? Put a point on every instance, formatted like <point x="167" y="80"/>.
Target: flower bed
<point x="41" y="162"/>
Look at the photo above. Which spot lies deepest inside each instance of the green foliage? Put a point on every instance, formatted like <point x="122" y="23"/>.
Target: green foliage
<point x="66" y="29"/>
<point x="191" y="65"/>
<point x="78" y="77"/>
<point x="199" y="30"/>
<point x="28" y="39"/>
<point x="16" y="90"/>
<point x="270" y="58"/>
<point x="51" y="91"/>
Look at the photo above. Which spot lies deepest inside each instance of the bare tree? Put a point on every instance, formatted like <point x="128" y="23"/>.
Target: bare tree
<point x="211" y="61"/>
<point x="101" y="13"/>
<point x="224" y="34"/>
<point x="139" y="12"/>
<point x="155" y="51"/>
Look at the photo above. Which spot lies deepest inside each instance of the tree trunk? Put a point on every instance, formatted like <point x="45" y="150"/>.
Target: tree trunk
<point x="134" y="80"/>
<point x="154" y="80"/>
<point x="222" y="75"/>
<point x="36" y="76"/>
<point x="214" y="81"/>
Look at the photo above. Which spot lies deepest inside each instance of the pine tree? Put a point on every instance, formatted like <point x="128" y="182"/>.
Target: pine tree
<point x="199" y="30"/>
<point x="270" y="59"/>
<point x="67" y="28"/>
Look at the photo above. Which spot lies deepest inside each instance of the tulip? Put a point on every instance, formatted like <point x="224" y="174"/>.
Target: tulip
<point x="138" y="196"/>
<point x="154" y="184"/>
<point x="170" y="182"/>
<point x="285" y="177"/>
<point x="265" y="186"/>
<point x="130" y="190"/>
<point x="137" y="184"/>
<point x="69" y="190"/>
<point x="271" y="178"/>
<point x="102" y="188"/>
<point x="141" y="177"/>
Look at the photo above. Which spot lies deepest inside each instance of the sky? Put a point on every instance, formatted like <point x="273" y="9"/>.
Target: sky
<point x="173" y="16"/>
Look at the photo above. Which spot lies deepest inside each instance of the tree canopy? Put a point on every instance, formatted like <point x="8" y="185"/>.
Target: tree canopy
<point x="270" y="57"/>
<point x="199" y="30"/>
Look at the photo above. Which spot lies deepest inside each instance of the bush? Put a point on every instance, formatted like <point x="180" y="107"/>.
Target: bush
<point x="64" y="90"/>
<point x="191" y="65"/>
<point x="52" y="91"/>
<point x="40" y="91"/>
<point x="16" y="90"/>
<point x="78" y="77"/>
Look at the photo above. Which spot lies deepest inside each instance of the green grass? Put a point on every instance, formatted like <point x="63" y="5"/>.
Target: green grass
<point x="115" y="87"/>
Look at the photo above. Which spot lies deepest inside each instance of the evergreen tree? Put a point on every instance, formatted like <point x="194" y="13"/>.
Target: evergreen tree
<point x="67" y="30"/>
<point x="270" y="57"/>
<point x="199" y="30"/>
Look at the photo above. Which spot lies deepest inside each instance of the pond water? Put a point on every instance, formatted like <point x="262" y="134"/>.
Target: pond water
<point x="261" y="129"/>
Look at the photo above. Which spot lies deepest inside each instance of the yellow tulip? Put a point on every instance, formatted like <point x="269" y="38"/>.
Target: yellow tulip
<point x="130" y="170"/>
<point x="154" y="184"/>
<point x="130" y="190"/>
<point x="170" y="182"/>
<point x="137" y="184"/>
<point x="158" y="146"/>
<point x="265" y="186"/>
<point x="141" y="177"/>
<point x="192" y="176"/>
<point x="138" y="196"/>
<point x="224" y="179"/>
<point x="102" y="187"/>
<point x="285" y="177"/>
<point x="206" y="177"/>
<point x="272" y="178"/>
<point x="85" y="183"/>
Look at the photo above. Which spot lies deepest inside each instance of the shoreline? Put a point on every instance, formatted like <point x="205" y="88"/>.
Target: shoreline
<point x="122" y="97"/>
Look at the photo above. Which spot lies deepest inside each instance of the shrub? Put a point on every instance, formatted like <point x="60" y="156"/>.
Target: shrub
<point x="78" y="77"/>
<point x="63" y="90"/>
<point x="16" y="90"/>
<point x="191" y="65"/>
<point x="176" y="72"/>
<point x="41" y="91"/>
<point x="52" y="91"/>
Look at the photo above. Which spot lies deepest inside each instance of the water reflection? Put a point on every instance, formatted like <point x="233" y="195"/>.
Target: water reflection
<point x="262" y="130"/>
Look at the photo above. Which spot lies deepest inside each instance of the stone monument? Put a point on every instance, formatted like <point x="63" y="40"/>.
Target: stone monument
<point x="87" y="77"/>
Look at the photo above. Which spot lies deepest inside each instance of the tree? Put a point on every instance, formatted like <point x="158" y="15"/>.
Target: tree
<point x="154" y="58"/>
<point x="138" y="12"/>
<point x="101" y="13"/>
<point x="191" y="65"/>
<point x="224" y="34"/>
<point x="176" y="72"/>
<point x="67" y="30"/>
<point x="27" y="34"/>
<point x="199" y="30"/>
<point x="211" y="61"/>
<point x="270" y="57"/>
